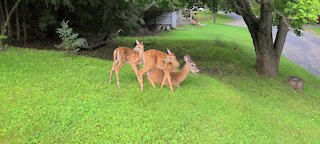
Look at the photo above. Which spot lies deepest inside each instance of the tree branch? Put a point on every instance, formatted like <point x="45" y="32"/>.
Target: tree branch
<point x="286" y="19"/>
<point x="243" y="7"/>
<point x="152" y="4"/>
<point x="3" y="29"/>
<point x="281" y="35"/>
<point x="174" y="8"/>
<point x="100" y="44"/>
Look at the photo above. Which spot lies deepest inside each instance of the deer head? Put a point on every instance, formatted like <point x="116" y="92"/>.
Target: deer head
<point x="171" y="58"/>
<point x="139" y="46"/>
<point x="191" y="65"/>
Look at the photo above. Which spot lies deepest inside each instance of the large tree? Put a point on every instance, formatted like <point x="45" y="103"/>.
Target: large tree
<point x="261" y="15"/>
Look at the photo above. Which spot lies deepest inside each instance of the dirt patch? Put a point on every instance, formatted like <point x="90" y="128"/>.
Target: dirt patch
<point x="105" y="52"/>
<point x="222" y="71"/>
<point x="146" y="32"/>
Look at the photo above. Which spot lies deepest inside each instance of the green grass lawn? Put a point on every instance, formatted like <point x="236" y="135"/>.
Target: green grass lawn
<point x="56" y="97"/>
<point x="315" y="30"/>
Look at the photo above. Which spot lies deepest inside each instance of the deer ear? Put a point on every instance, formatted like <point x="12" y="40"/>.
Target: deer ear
<point x="169" y="52"/>
<point x="166" y="60"/>
<point x="185" y="58"/>
<point x="137" y="42"/>
<point x="189" y="58"/>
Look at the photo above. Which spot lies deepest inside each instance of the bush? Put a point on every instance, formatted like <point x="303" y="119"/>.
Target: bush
<point x="70" y="40"/>
<point x="2" y="38"/>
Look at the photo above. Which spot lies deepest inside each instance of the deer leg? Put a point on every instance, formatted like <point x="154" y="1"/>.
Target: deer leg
<point x="136" y="70"/>
<point x="142" y="72"/>
<point x="164" y="79"/>
<point x="169" y="81"/>
<point x="152" y="83"/>
<point x="150" y="80"/>
<point x="112" y="70"/>
<point x="165" y="71"/>
<point x="118" y="70"/>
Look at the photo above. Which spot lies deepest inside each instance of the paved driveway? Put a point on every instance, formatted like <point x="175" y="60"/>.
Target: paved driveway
<point x="304" y="50"/>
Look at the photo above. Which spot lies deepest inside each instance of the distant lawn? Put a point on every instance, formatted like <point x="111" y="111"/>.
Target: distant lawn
<point x="55" y="97"/>
<point x="207" y="17"/>
<point x="315" y="30"/>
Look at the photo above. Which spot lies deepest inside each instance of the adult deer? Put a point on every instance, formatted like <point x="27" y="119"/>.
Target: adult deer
<point x="132" y="56"/>
<point x="157" y="76"/>
<point x="157" y="59"/>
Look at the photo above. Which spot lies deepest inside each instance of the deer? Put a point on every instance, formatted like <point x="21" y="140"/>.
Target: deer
<point x="157" y="59"/>
<point x="157" y="76"/>
<point x="123" y="55"/>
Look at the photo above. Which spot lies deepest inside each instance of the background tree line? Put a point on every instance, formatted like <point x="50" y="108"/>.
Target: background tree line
<point x="34" y="19"/>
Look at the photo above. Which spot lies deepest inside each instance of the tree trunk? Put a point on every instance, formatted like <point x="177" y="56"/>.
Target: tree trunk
<point x="18" y="24"/>
<point x="24" y="24"/>
<point x="267" y="60"/>
<point x="267" y="53"/>
<point x="2" y="17"/>
<point x="214" y="16"/>
<point x="8" y="17"/>
<point x="105" y="41"/>
<point x="6" y="9"/>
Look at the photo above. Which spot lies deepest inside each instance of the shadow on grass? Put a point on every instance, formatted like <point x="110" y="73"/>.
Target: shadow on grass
<point x="214" y="57"/>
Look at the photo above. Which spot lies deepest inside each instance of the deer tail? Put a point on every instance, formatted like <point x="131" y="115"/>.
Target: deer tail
<point x="115" y="54"/>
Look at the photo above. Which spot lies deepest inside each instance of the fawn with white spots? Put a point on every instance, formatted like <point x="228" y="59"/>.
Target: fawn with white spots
<point x="157" y="59"/>
<point x="132" y="56"/>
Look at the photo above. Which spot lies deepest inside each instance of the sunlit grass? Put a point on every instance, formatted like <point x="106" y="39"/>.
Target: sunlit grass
<point x="56" y="97"/>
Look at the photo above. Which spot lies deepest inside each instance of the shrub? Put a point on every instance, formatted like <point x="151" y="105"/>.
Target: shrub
<point x="70" y="40"/>
<point x="2" y="38"/>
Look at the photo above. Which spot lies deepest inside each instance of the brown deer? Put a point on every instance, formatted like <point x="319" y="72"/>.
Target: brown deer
<point x="132" y="56"/>
<point x="155" y="58"/>
<point x="157" y="76"/>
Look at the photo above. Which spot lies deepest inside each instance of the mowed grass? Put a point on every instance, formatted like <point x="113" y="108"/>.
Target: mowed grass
<point x="315" y="30"/>
<point x="56" y="97"/>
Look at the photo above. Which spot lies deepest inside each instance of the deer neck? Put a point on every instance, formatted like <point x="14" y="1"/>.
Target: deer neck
<point x="182" y="75"/>
<point x="141" y="56"/>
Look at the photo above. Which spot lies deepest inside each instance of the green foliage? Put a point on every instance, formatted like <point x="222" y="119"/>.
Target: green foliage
<point x="216" y="5"/>
<point x="299" y="12"/>
<point x="302" y="12"/>
<point x="3" y="37"/>
<point x="50" y="97"/>
<point x="46" y="19"/>
<point x="107" y="16"/>
<point x="70" y="40"/>
<point x="255" y="8"/>
<point x="163" y="5"/>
